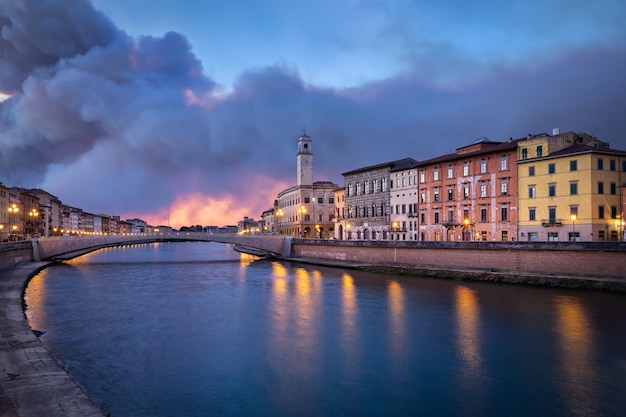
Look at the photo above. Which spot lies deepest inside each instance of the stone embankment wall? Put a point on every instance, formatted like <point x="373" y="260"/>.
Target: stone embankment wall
<point x="586" y="260"/>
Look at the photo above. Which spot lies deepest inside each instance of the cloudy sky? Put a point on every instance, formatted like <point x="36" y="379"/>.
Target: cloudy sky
<point x="189" y="107"/>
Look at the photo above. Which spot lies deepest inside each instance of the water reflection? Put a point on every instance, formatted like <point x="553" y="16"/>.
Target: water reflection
<point x="349" y="321"/>
<point x="579" y="390"/>
<point x="37" y="293"/>
<point x="468" y="330"/>
<point x="397" y="323"/>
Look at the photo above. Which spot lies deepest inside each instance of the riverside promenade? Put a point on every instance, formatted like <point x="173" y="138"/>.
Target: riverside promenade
<point x="32" y="383"/>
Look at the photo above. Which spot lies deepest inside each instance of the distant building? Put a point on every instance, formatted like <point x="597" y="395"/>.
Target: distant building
<point x="248" y="225"/>
<point x="570" y="189"/>
<point x="308" y="208"/>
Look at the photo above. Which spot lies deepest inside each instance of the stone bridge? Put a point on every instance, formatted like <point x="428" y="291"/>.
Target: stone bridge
<point x="65" y="247"/>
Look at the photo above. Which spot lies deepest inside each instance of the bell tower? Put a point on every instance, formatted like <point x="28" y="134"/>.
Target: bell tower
<point x="305" y="160"/>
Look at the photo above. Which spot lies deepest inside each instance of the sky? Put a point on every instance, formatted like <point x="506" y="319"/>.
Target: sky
<point x="188" y="112"/>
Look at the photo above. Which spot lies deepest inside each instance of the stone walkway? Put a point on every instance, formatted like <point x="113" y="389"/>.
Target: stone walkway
<point x="32" y="383"/>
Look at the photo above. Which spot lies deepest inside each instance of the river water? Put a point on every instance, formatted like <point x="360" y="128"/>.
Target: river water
<point x="197" y="329"/>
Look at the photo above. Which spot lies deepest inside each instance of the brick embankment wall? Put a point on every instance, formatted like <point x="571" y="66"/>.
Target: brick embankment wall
<point x="563" y="260"/>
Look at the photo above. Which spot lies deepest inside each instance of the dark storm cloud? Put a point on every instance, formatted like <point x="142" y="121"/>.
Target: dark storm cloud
<point x="114" y="124"/>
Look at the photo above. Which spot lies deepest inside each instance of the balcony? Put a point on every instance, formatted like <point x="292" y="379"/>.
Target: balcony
<point x="551" y="223"/>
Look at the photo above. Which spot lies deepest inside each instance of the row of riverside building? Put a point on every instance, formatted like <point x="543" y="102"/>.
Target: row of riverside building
<point x="559" y="187"/>
<point x="27" y="213"/>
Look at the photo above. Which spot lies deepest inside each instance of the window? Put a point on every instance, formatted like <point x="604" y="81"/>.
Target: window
<point x="533" y="236"/>
<point x="573" y="165"/>
<point x="331" y="200"/>
<point x="483" y="190"/>
<point x="436" y="194"/>
<point x="531" y="191"/>
<point x="450" y="172"/>
<point x="504" y="188"/>
<point x="450" y="194"/>
<point x="531" y="171"/>
<point x="436" y="217"/>
<point x="552" y="215"/>
<point x="600" y="164"/>
<point x="375" y="184"/>
<point x="574" y="236"/>
<point x="384" y="184"/>
<point x="600" y="212"/>
<point x="614" y="212"/>
<point x="504" y="164"/>
<point x="307" y="200"/>
<point x="422" y="176"/>
<point x="450" y="216"/>
<point x="573" y="188"/>
<point x="532" y="213"/>
<point x="601" y="235"/>
<point x="366" y="187"/>
<point x="466" y="191"/>
<point x="422" y="195"/>
<point x="613" y="188"/>
<point x="504" y="212"/>
<point x="422" y="218"/>
<point x="505" y="236"/>
<point x="403" y="209"/>
<point x="600" y="187"/>
<point x="539" y="150"/>
<point x="524" y="153"/>
<point x="552" y="189"/>
<point x="573" y="211"/>
<point x="483" y="214"/>
<point x="358" y="188"/>
<point x="612" y="164"/>
<point x="483" y="166"/>
<point x="553" y="236"/>
<point x="466" y="169"/>
<point x="551" y="168"/>
<point x="436" y="174"/>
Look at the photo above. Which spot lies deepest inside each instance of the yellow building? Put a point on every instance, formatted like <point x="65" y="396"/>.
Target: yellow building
<point x="570" y="189"/>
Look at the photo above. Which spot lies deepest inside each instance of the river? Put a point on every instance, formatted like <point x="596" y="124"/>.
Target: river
<point x="197" y="329"/>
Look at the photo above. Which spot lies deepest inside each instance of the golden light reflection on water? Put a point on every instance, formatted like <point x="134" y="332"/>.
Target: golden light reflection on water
<point x="397" y="322"/>
<point x="468" y="330"/>
<point x="349" y="320"/>
<point x="245" y="259"/>
<point x="35" y="297"/>
<point x="294" y="341"/>
<point x="577" y="348"/>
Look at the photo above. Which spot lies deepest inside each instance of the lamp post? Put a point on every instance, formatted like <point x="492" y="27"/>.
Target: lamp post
<point x="13" y="210"/>
<point x="573" y="217"/>
<point x="466" y="223"/>
<point x="33" y="214"/>
<point x="349" y="235"/>
<point x="279" y="214"/>
<point x="302" y="212"/>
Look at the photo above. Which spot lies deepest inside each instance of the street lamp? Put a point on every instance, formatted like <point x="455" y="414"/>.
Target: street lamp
<point x="33" y="214"/>
<point x="466" y="223"/>
<point x="349" y="235"/>
<point x="573" y="217"/>
<point x="279" y="214"/>
<point x="13" y="210"/>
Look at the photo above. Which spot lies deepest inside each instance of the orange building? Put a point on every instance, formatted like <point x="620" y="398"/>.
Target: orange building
<point x="470" y="194"/>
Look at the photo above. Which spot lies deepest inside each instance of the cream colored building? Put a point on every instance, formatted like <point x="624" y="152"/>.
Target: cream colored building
<point x="570" y="189"/>
<point x="308" y="208"/>
<point x="403" y="202"/>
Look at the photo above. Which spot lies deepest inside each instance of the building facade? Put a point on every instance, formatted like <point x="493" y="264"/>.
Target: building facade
<point x="571" y="189"/>
<point x="307" y="209"/>
<point x="470" y="194"/>
<point x="403" y="202"/>
<point x="367" y="214"/>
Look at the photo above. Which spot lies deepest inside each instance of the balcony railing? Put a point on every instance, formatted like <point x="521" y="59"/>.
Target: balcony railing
<point x="551" y="223"/>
